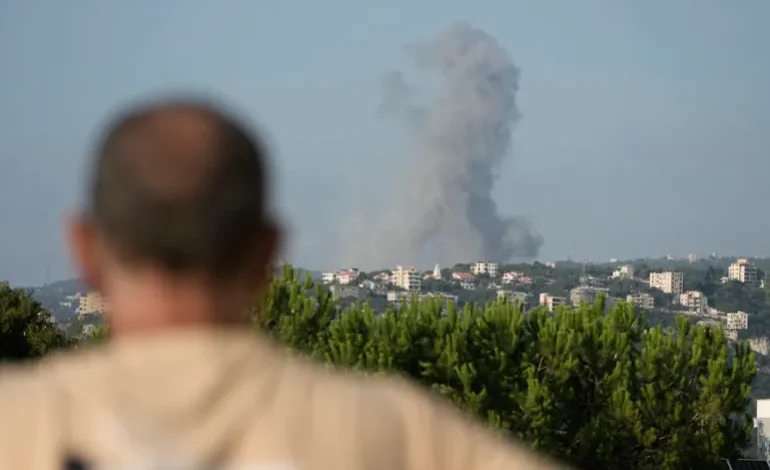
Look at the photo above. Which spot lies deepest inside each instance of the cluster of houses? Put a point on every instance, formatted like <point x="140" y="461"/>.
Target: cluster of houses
<point x="405" y="281"/>
<point x="693" y="302"/>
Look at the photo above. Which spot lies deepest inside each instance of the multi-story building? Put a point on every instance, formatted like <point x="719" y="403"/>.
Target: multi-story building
<point x="342" y="291"/>
<point x="444" y="296"/>
<point x="514" y="297"/>
<point x="585" y="294"/>
<point x="551" y="301"/>
<point x="762" y="425"/>
<point x="398" y="296"/>
<point x="693" y="257"/>
<point x="485" y="267"/>
<point x="92" y="303"/>
<point x="695" y="301"/>
<point x="373" y="286"/>
<point x="641" y="300"/>
<point x="737" y="321"/>
<point x="407" y="278"/>
<point x="743" y="271"/>
<point x="624" y="272"/>
<point x="670" y="282"/>
<point x="347" y="276"/>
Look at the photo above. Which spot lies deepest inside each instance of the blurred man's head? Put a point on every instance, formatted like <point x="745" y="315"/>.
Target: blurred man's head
<point x="177" y="209"/>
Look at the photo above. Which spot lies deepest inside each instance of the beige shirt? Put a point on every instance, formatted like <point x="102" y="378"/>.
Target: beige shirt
<point x="203" y="399"/>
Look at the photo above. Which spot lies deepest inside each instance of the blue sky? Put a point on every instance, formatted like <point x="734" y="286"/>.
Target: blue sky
<point x="645" y="130"/>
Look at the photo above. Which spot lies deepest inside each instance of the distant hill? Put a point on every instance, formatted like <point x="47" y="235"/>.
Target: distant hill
<point x="67" y="286"/>
<point x="54" y="296"/>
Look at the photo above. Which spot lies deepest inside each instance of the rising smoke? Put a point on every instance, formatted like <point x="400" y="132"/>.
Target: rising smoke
<point x="461" y="136"/>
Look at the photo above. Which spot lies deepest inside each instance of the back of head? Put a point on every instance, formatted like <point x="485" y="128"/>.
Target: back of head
<point x="178" y="189"/>
<point x="179" y="184"/>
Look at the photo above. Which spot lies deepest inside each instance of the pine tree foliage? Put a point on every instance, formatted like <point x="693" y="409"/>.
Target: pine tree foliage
<point x="27" y="329"/>
<point x="599" y="390"/>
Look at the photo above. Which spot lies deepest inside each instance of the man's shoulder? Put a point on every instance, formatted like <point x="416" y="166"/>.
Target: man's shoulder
<point x="335" y="394"/>
<point x="17" y="380"/>
<point x="32" y="379"/>
<point x="354" y="387"/>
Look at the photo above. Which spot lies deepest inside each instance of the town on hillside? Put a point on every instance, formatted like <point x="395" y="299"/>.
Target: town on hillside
<point x="549" y="285"/>
<point x="713" y="291"/>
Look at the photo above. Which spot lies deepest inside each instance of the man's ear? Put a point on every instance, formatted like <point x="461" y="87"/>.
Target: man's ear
<point x="82" y="243"/>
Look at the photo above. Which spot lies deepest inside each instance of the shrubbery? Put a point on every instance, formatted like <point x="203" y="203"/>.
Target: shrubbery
<point x="598" y="390"/>
<point x="27" y="329"/>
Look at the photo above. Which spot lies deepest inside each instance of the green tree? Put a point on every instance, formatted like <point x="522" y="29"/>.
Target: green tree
<point x="461" y="268"/>
<point x="27" y="330"/>
<point x="295" y="312"/>
<point x="597" y="390"/>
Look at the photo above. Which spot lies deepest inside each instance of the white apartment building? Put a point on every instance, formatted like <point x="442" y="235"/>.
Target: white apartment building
<point x="742" y="271"/>
<point x="693" y="257"/>
<point x="737" y="321"/>
<point x="522" y="298"/>
<point x="762" y="425"/>
<point x="346" y="291"/>
<point x="551" y="301"/>
<point x="670" y="282"/>
<point x="397" y="296"/>
<point x="485" y="267"/>
<point x="624" y="272"/>
<point x="406" y="277"/>
<point x="694" y="300"/>
<point x="328" y="277"/>
<point x="586" y="294"/>
<point x="641" y="300"/>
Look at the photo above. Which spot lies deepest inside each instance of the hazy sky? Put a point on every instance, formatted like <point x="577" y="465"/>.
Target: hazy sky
<point x="645" y="130"/>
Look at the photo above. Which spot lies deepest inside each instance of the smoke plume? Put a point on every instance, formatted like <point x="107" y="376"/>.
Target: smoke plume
<point x="461" y="135"/>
